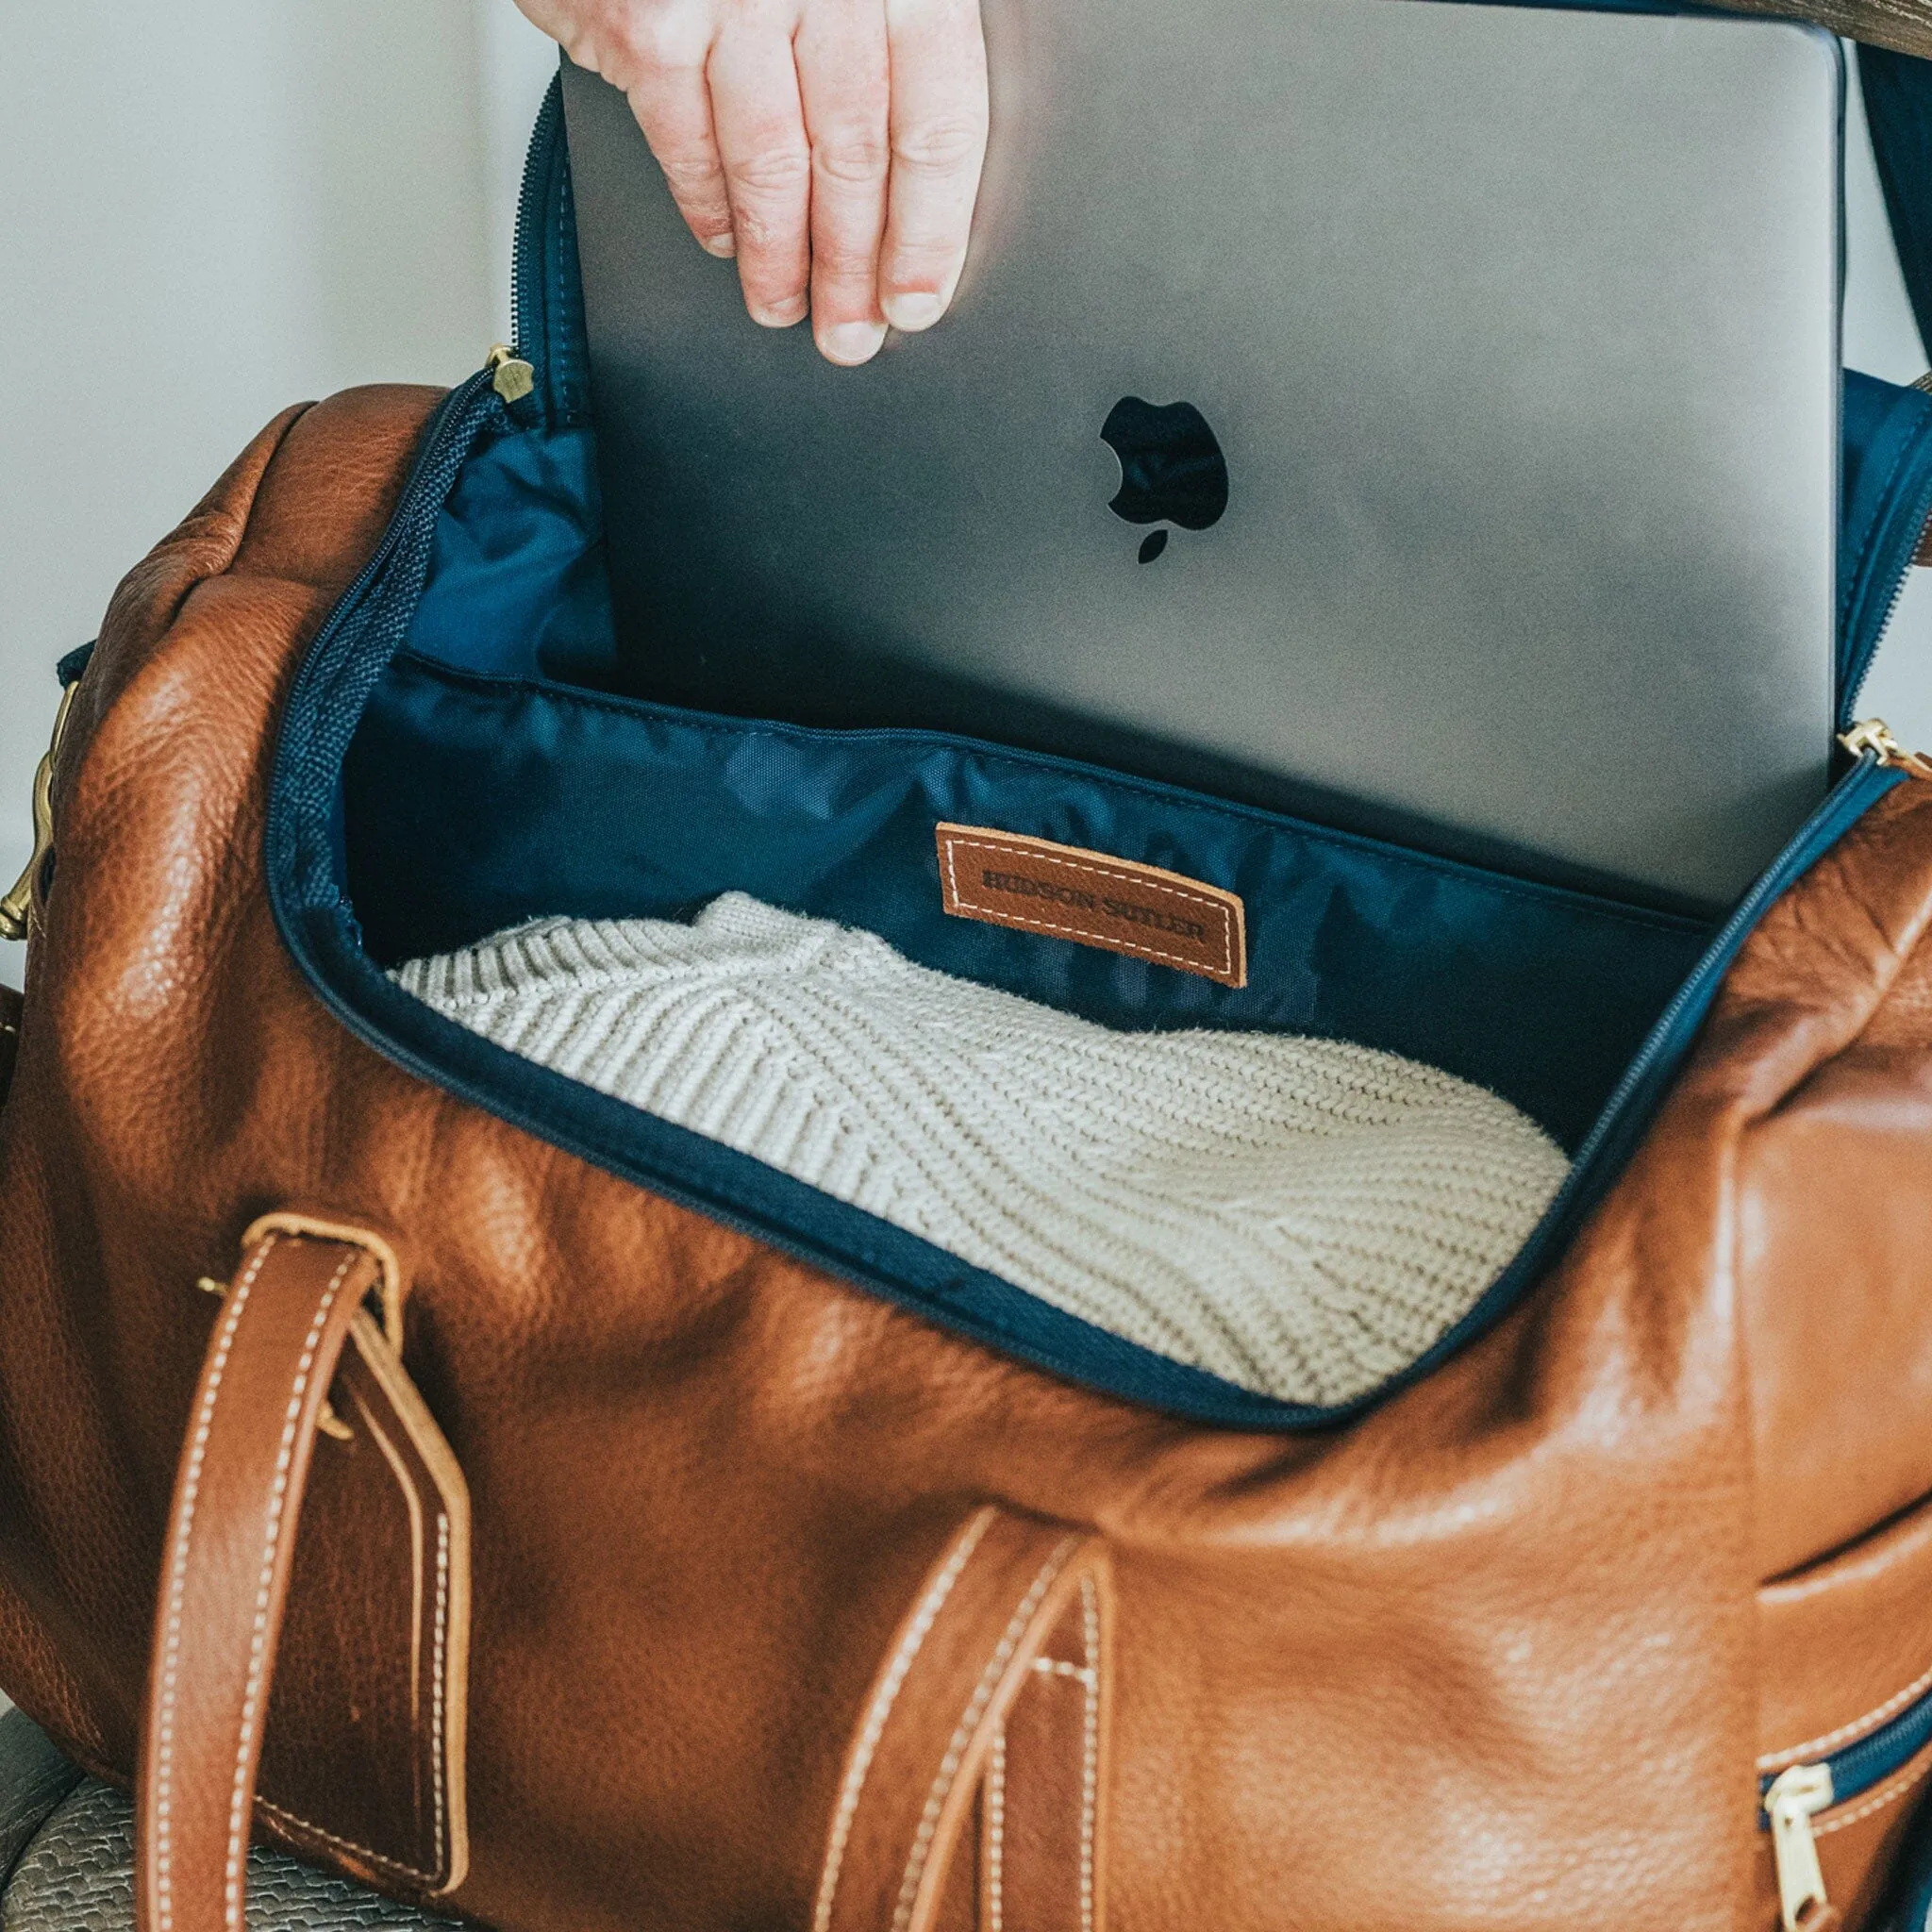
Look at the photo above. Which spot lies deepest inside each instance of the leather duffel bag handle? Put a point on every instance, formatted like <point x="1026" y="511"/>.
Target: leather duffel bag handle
<point x="985" y="1727"/>
<point x="296" y="1303"/>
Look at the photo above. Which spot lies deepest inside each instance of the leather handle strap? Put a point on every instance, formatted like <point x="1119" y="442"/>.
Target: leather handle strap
<point x="230" y="1546"/>
<point x="987" y="1724"/>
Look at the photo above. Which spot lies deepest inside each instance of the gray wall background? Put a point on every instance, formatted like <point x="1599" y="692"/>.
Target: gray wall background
<point x="209" y="208"/>
<point x="212" y="207"/>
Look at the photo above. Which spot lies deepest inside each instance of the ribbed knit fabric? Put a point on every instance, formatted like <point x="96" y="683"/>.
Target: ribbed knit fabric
<point x="1300" y="1216"/>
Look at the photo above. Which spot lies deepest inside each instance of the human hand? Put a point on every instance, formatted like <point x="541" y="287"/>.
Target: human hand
<point x="833" y="147"/>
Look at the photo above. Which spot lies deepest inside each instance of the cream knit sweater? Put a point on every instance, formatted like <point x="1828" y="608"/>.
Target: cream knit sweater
<point x="1300" y="1216"/>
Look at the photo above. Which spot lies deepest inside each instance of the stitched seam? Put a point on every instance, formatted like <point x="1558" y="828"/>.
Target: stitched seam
<point x="1060" y="1666"/>
<point x="1889" y="1796"/>
<point x="881" y="1708"/>
<point x="257" y="1642"/>
<point x="962" y="1731"/>
<point x="178" y="1587"/>
<point x="1120" y="870"/>
<point x="995" y="1833"/>
<point x="1001" y="913"/>
<point x="1775" y="1759"/>
<point x="343" y="1844"/>
<point x="1090" y="1747"/>
<point x="484" y="686"/>
<point x="438" y="1646"/>
<point x="436" y="1699"/>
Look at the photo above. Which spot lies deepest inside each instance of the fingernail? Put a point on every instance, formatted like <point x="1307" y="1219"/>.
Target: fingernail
<point x="726" y="243"/>
<point x="780" y="315"/>
<point x="914" y="312"/>
<point x="852" y="341"/>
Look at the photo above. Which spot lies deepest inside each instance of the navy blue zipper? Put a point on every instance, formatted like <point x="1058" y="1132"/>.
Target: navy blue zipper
<point x="1791" y="1800"/>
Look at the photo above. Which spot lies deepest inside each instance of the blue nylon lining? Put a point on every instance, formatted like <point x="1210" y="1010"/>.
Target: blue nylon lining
<point x="475" y="803"/>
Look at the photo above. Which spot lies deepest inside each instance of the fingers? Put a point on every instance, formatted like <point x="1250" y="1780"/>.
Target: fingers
<point x="938" y="128"/>
<point x="845" y="85"/>
<point x="834" y="146"/>
<point x="760" y="128"/>
<point x="671" y="100"/>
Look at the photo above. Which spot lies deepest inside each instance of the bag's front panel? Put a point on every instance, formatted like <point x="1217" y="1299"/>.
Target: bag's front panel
<point x="708" y="1480"/>
<point x="1503" y="1627"/>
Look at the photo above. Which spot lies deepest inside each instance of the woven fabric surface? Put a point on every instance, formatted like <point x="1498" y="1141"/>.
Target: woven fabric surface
<point x="77" y="1875"/>
<point x="1303" y="1217"/>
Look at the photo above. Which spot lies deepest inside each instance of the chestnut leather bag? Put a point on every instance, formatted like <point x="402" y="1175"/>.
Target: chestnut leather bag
<point x="555" y="1518"/>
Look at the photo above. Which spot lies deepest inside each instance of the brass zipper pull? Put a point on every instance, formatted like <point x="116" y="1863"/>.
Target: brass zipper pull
<point x="17" y="908"/>
<point x="1873" y="735"/>
<point x="1795" y="1797"/>
<point x="514" y="378"/>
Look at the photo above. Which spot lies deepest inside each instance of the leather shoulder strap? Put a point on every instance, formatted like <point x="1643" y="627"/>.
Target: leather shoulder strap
<point x="296" y="1301"/>
<point x="986" y="1728"/>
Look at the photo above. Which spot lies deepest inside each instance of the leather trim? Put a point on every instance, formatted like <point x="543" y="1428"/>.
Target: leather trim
<point x="961" y="1659"/>
<point x="230" y="1547"/>
<point x="1119" y="905"/>
<point x="1043" y="1823"/>
<point x="375" y="1398"/>
<point x="391" y="1279"/>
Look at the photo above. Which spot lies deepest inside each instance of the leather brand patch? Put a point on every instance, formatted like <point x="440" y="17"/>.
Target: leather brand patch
<point x="1007" y="879"/>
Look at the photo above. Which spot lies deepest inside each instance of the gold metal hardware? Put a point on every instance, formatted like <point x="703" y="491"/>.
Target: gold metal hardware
<point x="17" y="910"/>
<point x="1873" y="735"/>
<point x="514" y="378"/>
<point x="1795" y="1797"/>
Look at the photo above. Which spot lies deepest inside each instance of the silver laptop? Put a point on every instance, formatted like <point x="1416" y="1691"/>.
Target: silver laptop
<point x="1423" y="415"/>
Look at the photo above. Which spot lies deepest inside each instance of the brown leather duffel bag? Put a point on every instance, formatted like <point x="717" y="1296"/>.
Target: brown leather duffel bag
<point x="669" y="1560"/>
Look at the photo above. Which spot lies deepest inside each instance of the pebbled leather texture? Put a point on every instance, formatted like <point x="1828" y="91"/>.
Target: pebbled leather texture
<point x="386" y="1770"/>
<point x="10" y="1009"/>
<point x="1490" y="1656"/>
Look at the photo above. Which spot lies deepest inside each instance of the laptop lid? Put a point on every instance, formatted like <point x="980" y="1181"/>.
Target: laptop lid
<point x="1423" y="415"/>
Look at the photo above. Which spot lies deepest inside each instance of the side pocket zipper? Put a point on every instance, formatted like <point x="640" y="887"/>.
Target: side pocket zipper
<point x="1794" y="1798"/>
<point x="1797" y="1795"/>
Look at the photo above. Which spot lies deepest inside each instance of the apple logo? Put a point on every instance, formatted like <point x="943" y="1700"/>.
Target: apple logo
<point x="1172" y="469"/>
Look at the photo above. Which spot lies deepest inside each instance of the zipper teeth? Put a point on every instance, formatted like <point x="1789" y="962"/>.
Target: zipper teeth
<point x="1874" y="1757"/>
<point x="1848" y="697"/>
<point x="1840" y="806"/>
<point x="530" y="218"/>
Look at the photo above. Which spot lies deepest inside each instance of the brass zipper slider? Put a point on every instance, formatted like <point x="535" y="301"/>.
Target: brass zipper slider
<point x="1795" y="1797"/>
<point x="1873" y="735"/>
<point x="17" y="910"/>
<point x="514" y="378"/>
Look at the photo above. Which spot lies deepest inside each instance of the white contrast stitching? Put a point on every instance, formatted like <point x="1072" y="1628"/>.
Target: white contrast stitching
<point x="1062" y="1667"/>
<point x="177" y="1586"/>
<point x="258" y="1644"/>
<point x="995" y="1832"/>
<point x="1089" y="1746"/>
<point x="1796" y="1753"/>
<point x="1198" y="900"/>
<point x="962" y="1731"/>
<point x="881" y="1708"/>
<point x="344" y="1844"/>
<point x="436" y="1682"/>
<point x="438" y="1649"/>
<point x="1889" y="1796"/>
